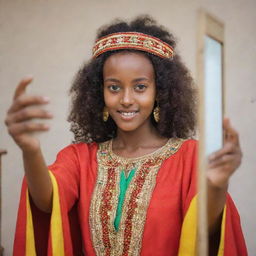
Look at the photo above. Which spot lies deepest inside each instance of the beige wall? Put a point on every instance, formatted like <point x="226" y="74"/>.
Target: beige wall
<point x="50" y="39"/>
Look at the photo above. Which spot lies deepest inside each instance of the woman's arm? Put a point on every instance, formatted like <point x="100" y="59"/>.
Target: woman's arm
<point x="222" y="164"/>
<point x="23" y="109"/>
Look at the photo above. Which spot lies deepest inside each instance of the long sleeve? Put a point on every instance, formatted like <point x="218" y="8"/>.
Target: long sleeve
<point x="231" y="238"/>
<point x="39" y="233"/>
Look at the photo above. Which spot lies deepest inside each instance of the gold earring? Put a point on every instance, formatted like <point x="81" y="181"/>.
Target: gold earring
<point x="105" y="114"/>
<point x="156" y="114"/>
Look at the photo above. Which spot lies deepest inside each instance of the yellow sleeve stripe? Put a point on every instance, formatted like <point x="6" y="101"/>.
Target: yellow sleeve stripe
<point x="188" y="237"/>
<point x="56" y="225"/>
<point x="30" y="240"/>
<point x="222" y="235"/>
<point x="189" y="231"/>
<point x="56" y="222"/>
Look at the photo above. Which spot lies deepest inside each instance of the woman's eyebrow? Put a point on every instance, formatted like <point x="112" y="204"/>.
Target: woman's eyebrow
<point x="140" y="79"/>
<point x="110" y="79"/>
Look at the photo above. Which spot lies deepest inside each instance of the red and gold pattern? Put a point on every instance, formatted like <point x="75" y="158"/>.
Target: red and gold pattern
<point x="165" y="228"/>
<point x="127" y="240"/>
<point x="133" y="40"/>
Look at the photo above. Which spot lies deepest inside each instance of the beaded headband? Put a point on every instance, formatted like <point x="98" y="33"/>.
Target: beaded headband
<point x="132" y="40"/>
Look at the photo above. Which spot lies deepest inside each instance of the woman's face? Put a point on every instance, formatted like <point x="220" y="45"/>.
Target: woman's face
<point x="129" y="89"/>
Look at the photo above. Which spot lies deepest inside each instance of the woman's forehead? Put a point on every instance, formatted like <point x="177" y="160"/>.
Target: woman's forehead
<point x="128" y="62"/>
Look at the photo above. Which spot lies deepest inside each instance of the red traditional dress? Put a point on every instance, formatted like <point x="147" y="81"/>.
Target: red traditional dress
<point x="158" y="216"/>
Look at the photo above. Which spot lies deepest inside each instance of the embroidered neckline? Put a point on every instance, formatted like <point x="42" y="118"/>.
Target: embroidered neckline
<point x="124" y="160"/>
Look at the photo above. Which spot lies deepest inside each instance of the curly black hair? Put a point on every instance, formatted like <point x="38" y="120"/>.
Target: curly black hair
<point x="176" y="94"/>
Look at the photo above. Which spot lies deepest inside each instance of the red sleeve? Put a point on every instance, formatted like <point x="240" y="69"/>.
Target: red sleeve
<point x="234" y="243"/>
<point x="231" y="241"/>
<point x="66" y="170"/>
<point x="189" y="183"/>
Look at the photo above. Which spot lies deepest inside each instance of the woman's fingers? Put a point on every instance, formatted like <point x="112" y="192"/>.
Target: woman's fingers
<point x="27" y="114"/>
<point x="23" y="109"/>
<point x="21" y="99"/>
<point x="223" y="163"/>
<point x="21" y="88"/>
<point x="228" y="148"/>
<point x="230" y="134"/>
<point x="225" y="160"/>
<point x="26" y="127"/>
<point x="27" y="100"/>
<point x="231" y="142"/>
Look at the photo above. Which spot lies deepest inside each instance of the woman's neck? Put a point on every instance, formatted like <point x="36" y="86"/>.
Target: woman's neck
<point x="148" y="137"/>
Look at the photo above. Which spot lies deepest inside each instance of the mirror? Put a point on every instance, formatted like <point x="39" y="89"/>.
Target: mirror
<point x="211" y="108"/>
<point x="213" y="93"/>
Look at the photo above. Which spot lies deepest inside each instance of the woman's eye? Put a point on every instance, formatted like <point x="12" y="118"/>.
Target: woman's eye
<point x="140" y="87"/>
<point x="114" y="88"/>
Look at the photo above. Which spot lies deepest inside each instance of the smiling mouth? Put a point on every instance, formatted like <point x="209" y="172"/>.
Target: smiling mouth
<point x="127" y="114"/>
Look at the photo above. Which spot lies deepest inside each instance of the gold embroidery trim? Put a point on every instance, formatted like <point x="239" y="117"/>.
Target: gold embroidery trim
<point x="133" y="40"/>
<point x="127" y="240"/>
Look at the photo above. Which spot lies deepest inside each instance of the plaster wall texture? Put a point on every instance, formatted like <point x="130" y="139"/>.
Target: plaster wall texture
<point x="51" y="39"/>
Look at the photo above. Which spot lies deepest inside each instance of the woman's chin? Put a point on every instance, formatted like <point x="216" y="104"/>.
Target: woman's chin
<point x="127" y="128"/>
<point x="132" y="125"/>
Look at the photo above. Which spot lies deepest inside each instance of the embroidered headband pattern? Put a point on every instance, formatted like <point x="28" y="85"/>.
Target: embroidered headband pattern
<point x="132" y="40"/>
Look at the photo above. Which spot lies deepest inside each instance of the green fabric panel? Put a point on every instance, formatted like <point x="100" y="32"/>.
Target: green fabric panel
<point x="124" y="184"/>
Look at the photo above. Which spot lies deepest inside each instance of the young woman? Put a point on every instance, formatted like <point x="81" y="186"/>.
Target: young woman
<point x="127" y="186"/>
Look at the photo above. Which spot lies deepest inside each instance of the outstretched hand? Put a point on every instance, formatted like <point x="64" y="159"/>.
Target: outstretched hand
<point x="24" y="108"/>
<point x="223" y="163"/>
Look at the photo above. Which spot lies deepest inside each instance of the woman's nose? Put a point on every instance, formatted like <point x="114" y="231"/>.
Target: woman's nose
<point x="127" y="97"/>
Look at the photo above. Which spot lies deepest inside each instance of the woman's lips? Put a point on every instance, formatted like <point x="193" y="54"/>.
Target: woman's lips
<point x="127" y="115"/>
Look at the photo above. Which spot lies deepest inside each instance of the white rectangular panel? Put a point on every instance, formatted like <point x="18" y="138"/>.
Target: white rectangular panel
<point x="213" y="95"/>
